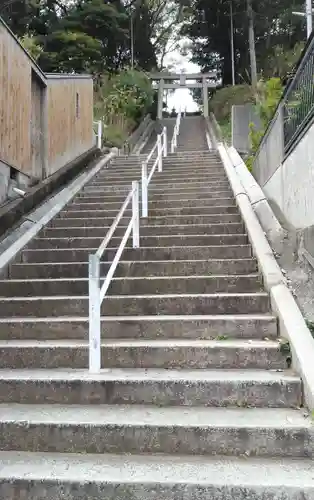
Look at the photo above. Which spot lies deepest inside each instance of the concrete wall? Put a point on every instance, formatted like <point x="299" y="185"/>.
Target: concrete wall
<point x="292" y="184"/>
<point x="288" y="182"/>
<point x="271" y="151"/>
<point x="241" y="117"/>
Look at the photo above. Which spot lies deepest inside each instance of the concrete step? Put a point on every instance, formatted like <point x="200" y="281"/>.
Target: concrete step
<point x="133" y="305"/>
<point x="153" y="221"/>
<point x="55" y="476"/>
<point x="187" y="168"/>
<point x="139" y="254"/>
<point x="143" y="327"/>
<point x="118" y="196"/>
<point x="160" y="178"/>
<point x="167" y="187"/>
<point x="242" y="388"/>
<point x="54" y="270"/>
<point x="194" y="194"/>
<point x="116" y="205"/>
<point x="169" y="170"/>
<point x="153" y="212"/>
<point x="59" y="227"/>
<point x="133" y="285"/>
<point x="166" y="354"/>
<point x="146" y="429"/>
<point x="145" y="241"/>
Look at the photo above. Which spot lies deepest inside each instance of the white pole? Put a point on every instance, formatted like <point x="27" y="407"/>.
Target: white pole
<point x="99" y="134"/>
<point x="135" y="214"/>
<point x="309" y="20"/>
<point x="159" y="152"/>
<point x="94" y="314"/>
<point x="165" y="141"/>
<point x="144" y="190"/>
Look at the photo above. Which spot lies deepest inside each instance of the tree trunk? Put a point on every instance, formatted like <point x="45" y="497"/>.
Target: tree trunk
<point x="252" y="46"/>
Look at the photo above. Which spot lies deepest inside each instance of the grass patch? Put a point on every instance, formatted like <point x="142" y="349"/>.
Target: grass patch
<point x="225" y="126"/>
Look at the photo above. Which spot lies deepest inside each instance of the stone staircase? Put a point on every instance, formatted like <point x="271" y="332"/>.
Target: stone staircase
<point x="195" y="400"/>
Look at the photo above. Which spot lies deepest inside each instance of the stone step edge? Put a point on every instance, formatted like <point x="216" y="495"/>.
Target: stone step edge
<point x="154" y="417"/>
<point x="181" y="261"/>
<point x="133" y="278"/>
<point x="143" y="236"/>
<point x="252" y="376"/>
<point x="144" y="296"/>
<point x="154" y="226"/>
<point x="73" y="209"/>
<point x="234" y="343"/>
<point x="185" y="247"/>
<point x="133" y="319"/>
<point x="161" y="474"/>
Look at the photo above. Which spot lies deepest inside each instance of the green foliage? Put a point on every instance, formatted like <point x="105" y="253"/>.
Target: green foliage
<point x="269" y="94"/>
<point x="310" y="325"/>
<point x="68" y="51"/>
<point x="280" y="62"/>
<point x="122" y="101"/>
<point x="208" y="28"/>
<point x="223" y="100"/>
<point x="225" y="126"/>
<point x="30" y="44"/>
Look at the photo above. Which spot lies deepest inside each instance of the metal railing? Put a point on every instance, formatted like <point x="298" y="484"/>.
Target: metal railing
<point x="161" y="148"/>
<point x="176" y="131"/>
<point x="98" y="133"/>
<point x="298" y="102"/>
<point x="97" y="291"/>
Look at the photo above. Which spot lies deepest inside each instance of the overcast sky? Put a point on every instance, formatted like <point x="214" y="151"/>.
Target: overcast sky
<point x="181" y="97"/>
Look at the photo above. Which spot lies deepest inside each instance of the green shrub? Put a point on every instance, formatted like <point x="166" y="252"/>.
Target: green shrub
<point x="121" y="103"/>
<point x="223" y="99"/>
<point x="268" y="95"/>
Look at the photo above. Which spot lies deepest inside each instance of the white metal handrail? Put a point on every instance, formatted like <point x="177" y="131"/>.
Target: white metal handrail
<point x="176" y="131"/>
<point x="97" y="292"/>
<point x="161" y="147"/>
<point x="98" y="126"/>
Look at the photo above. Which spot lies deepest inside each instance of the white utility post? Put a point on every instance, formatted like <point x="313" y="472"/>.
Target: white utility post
<point x="99" y="134"/>
<point x="159" y="152"/>
<point x="309" y="20"/>
<point x="136" y="214"/>
<point x="309" y="17"/>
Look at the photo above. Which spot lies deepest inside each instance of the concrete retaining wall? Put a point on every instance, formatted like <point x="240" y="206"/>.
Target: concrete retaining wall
<point x="241" y="117"/>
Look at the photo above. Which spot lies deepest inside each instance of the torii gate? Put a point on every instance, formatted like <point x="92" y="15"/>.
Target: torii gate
<point x="208" y="80"/>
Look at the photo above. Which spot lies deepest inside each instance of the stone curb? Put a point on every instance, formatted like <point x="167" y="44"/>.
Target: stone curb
<point x="292" y="325"/>
<point x="274" y="231"/>
<point x="36" y="220"/>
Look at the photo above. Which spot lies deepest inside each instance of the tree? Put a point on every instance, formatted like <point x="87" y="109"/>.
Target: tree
<point x="209" y="31"/>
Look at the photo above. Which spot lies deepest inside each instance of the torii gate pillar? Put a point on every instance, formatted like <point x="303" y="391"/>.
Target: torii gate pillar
<point x="205" y="98"/>
<point x="160" y="98"/>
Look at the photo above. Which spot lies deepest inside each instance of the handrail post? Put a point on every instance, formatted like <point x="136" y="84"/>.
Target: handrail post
<point x="99" y="134"/>
<point x="94" y="314"/>
<point x="144" y="190"/>
<point x="135" y="214"/>
<point x="159" y="152"/>
<point x="165" y="142"/>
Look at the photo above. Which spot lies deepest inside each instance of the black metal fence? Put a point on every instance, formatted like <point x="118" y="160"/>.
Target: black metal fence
<point x="298" y="100"/>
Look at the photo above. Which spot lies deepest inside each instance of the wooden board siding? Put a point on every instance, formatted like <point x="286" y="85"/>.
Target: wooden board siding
<point x="15" y="103"/>
<point x="69" y="130"/>
<point x="41" y="127"/>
